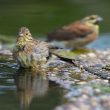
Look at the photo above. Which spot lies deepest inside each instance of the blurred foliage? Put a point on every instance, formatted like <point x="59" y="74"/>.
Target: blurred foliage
<point x="42" y="16"/>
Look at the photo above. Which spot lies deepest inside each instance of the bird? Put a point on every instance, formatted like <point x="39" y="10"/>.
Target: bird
<point x="77" y="34"/>
<point x="29" y="52"/>
<point x="33" y="54"/>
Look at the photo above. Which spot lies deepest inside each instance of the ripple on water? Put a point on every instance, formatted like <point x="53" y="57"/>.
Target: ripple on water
<point x="4" y="87"/>
<point x="10" y="80"/>
<point x="7" y="69"/>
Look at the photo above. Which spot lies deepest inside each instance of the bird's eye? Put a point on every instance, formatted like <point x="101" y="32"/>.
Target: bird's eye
<point x="26" y="33"/>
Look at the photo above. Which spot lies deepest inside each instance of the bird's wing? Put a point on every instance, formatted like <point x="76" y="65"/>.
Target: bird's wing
<point x="70" y="32"/>
<point x="38" y="49"/>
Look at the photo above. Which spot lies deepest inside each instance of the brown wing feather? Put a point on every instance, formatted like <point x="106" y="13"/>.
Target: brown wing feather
<point x="70" y="32"/>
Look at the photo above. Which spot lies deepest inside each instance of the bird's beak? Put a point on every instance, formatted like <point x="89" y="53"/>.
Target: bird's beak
<point x="21" y="34"/>
<point x="99" y="19"/>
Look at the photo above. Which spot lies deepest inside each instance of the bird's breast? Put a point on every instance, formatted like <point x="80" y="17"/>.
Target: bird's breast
<point x="30" y="60"/>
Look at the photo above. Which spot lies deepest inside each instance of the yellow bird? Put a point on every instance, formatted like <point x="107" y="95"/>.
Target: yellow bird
<point x="79" y="33"/>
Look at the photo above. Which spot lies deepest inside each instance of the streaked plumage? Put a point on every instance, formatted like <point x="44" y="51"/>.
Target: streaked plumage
<point x="28" y="52"/>
<point x="79" y="33"/>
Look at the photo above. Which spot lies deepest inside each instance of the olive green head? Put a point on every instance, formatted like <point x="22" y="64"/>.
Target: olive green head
<point x="93" y="19"/>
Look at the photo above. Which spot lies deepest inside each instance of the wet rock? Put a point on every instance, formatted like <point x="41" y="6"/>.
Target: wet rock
<point x="67" y="107"/>
<point x="5" y="52"/>
<point x="98" y="71"/>
<point x="88" y="103"/>
<point x="97" y="91"/>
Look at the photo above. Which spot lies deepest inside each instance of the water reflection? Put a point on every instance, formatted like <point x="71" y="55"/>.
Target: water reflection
<point x="29" y="85"/>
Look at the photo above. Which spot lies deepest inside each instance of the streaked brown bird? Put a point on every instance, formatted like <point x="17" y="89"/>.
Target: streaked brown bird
<point x="28" y="52"/>
<point x="79" y="33"/>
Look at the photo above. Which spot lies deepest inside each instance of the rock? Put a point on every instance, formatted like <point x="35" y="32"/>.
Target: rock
<point x="67" y="107"/>
<point x="5" y="52"/>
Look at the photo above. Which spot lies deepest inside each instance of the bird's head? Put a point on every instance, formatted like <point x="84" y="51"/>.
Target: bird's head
<point x="93" y="19"/>
<point x="24" y="34"/>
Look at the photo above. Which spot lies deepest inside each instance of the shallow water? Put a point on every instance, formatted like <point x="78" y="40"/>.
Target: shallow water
<point x="21" y="89"/>
<point x="102" y="42"/>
